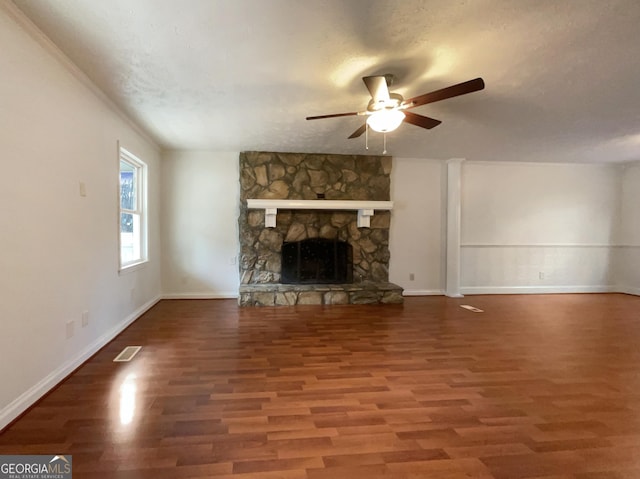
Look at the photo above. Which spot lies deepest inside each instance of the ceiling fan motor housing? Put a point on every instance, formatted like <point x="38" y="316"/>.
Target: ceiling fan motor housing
<point x="394" y="101"/>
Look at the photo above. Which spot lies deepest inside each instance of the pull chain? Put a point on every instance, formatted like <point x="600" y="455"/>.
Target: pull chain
<point x="384" y="149"/>
<point x="366" y="136"/>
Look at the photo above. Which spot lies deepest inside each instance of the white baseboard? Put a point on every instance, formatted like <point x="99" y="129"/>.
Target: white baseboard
<point x="628" y="290"/>
<point x="537" y="289"/>
<point x="29" y="397"/>
<point x="422" y="292"/>
<point x="220" y="295"/>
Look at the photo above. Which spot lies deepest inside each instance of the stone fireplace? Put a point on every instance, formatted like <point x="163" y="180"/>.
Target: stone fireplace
<point x="299" y="176"/>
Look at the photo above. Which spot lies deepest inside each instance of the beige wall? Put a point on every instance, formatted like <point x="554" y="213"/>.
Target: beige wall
<point x="200" y="203"/>
<point x="59" y="250"/>
<point x="530" y="227"/>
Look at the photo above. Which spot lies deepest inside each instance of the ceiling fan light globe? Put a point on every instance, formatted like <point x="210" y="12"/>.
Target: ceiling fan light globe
<point x="384" y="121"/>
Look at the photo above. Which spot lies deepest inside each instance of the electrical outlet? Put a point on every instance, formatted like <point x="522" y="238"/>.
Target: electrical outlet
<point x="70" y="328"/>
<point x="541" y="275"/>
<point x="233" y="260"/>
<point x="85" y="319"/>
<point x="412" y="277"/>
<point x="83" y="188"/>
<point x="133" y="293"/>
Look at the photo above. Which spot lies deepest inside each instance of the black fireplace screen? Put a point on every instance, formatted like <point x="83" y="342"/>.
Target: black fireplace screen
<point x="317" y="260"/>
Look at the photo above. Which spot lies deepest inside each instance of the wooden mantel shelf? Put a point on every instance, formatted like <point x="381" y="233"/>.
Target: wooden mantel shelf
<point x="365" y="209"/>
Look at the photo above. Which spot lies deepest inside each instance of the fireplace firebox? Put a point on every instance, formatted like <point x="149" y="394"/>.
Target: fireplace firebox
<point x="317" y="260"/>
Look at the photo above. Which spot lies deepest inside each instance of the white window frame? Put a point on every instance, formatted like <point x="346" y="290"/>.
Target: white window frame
<point x="139" y="211"/>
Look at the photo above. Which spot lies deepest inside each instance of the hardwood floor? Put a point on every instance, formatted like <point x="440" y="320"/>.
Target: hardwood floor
<point x="535" y="387"/>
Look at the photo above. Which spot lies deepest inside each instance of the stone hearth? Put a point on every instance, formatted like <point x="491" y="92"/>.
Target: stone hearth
<point x="291" y="294"/>
<point x="298" y="176"/>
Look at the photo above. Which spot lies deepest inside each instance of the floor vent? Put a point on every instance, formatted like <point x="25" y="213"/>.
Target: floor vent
<point x="471" y="308"/>
<point x="127" y="354"/>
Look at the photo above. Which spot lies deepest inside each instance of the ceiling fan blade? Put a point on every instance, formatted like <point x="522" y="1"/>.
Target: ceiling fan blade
<point x="358" y="132"/>
<point x="334" y="115"/>
<point x="449" y="92"/>
<point x="377" y="86"/>
<point x="419" y="120"/>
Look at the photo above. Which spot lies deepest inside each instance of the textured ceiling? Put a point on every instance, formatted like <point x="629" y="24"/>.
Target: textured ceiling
<point x="562" y="76"/>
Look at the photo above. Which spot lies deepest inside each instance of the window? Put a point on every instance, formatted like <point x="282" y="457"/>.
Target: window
<point x="133" y="222"/>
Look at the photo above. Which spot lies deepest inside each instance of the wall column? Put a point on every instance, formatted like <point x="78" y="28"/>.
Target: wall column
<point x="454" y="174"/>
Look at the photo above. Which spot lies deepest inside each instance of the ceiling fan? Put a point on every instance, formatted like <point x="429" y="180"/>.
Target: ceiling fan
<point x="386" y="111"/>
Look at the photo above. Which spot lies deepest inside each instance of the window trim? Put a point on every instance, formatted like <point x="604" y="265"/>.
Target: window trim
<point x="141" y="209"/>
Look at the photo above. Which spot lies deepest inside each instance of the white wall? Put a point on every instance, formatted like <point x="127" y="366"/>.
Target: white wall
<point x="627" y="255"/>
<point x="518" y="220"/>
<point x="200" y="207"/>
<point x="200" y="198"/>
<point x="522" y="219"/>
<point x="58" y="250"/>
<point x="416" y="241"/>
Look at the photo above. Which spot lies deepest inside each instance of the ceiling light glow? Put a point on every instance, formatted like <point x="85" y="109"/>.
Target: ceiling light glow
<point x="384" y="121"/>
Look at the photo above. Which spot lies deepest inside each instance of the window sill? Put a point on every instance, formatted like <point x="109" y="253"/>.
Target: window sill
<point x="132" y="267"/>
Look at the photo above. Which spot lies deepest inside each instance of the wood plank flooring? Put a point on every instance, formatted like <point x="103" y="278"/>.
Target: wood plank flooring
<point x="535" y="387"/>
